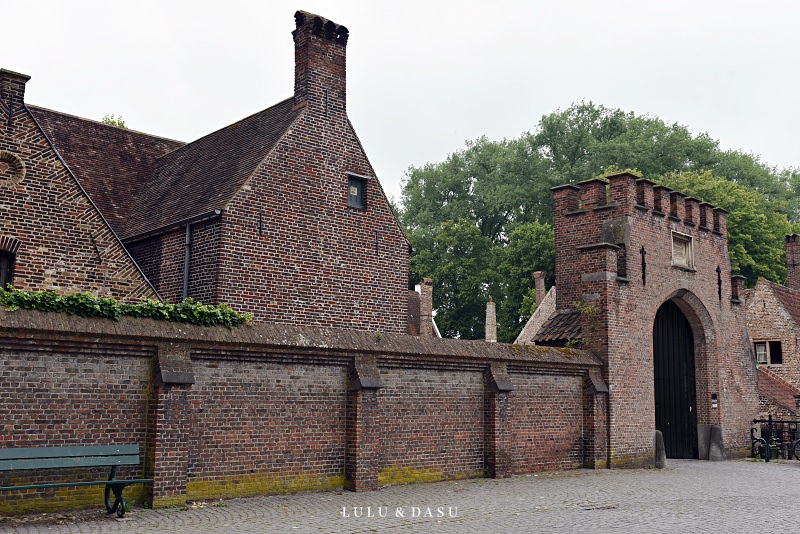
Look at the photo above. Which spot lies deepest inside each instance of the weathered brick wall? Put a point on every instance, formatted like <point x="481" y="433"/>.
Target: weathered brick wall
<point x="58" y="394"/>
<point x="275" y="408"/>
<point x="285" y="418"/>
<point x="52" y="223"/>
<point x="162" y="259"/>
<point x="600" y="231"/>
<point x="433" y="424"/>
<point x="547" y="428"/>
<point x="316" y="261"/>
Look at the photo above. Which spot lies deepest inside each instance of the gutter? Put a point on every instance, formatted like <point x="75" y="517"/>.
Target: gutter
<point x="213" y="214"/>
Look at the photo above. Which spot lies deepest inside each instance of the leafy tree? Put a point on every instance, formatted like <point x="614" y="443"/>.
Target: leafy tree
<point x="114" y="120"/>
<point x="530" y="248"/>
<point x="458" y="258"/>
<point x="489" y="190"/>
<point x="756" y="230"/>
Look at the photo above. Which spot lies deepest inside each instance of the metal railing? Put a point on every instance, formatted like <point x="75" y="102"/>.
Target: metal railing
<point x="775" y="439"/>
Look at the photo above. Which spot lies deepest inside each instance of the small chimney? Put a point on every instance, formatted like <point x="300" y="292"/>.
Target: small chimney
<point x="538" y="280"/>
<point x="426" y="308"/>
<point x="793" y="261"/>
<point x="491" y="322"/>
<point x="12" y="94"/>
<point x="319" y="64"/>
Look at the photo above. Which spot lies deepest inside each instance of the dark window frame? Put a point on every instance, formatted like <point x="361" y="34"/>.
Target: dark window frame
<point x="7" y="261"/>
<point x="773" y="351"/>
<point x="357" y="201"/>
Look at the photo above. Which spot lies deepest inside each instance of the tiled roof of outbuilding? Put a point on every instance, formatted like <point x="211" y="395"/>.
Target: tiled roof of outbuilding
<point x="112" y="164"/>
<point x="205" y="174"/>
<point x="561" y="326"/>
<point x="776" y="388"/>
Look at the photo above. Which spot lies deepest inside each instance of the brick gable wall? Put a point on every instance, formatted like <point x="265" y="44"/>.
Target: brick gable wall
<point x="768" y="320"/>
<point x="316" y="261"/>
<point x="62" y="242"/>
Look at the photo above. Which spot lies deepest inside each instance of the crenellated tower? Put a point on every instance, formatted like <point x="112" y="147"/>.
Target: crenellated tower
<point x="629" y="253"/>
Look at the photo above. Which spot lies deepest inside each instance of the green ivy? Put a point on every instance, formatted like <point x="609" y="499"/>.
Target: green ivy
<point x="88" y="305"/>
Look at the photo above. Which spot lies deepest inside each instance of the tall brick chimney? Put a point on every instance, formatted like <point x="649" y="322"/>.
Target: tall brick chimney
<point x="319" y="64"/>
<point x="538" y="281"/>
<point x="793" y="261"/>
<point x="426" y="308"/>
<point x="491" y="321"/>
<point x="12" y="94"/>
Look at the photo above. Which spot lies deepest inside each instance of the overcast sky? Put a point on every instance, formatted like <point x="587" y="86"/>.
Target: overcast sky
<point x="423" y="76"/>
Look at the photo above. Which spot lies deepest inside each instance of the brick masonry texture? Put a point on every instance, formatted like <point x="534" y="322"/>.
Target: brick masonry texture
<point x="600" y="229"/>
<point x="772" y="312"/>
<point x="63" y="243"/>
<point x="280" y="408"/>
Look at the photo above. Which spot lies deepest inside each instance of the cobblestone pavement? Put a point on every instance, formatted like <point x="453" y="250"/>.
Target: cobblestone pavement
<point x="688" y="496"/>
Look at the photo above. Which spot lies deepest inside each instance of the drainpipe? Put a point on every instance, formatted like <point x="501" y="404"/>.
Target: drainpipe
<point x="188" y="244"/>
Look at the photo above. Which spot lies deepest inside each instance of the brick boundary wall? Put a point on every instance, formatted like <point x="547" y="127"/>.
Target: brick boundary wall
<point x="277" y="408"/>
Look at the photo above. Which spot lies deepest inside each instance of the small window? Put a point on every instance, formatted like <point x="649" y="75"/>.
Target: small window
<point x="6" y="268"/>
<point x="761" y="353"/>
<point x="356" y="193"/>
<point x="682" y="255"/>
<point x="768" y="352"/>
<point x="775" y="353"/>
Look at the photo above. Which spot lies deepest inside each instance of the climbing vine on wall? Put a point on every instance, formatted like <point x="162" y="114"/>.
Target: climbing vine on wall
<point x="88" y="305"/>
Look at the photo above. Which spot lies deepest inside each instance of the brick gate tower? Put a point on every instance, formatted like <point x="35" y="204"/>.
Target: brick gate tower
<point x="643" y="274"/>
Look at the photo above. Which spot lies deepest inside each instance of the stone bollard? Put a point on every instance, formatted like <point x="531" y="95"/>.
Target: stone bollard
<point x="716" y="449"/>
<point x="661" y="452"/>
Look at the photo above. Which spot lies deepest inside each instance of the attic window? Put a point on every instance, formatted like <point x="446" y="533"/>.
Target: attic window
<point x="682" y="253"/>
<point x="356" y="192"/>
<point x="768" y="352"/>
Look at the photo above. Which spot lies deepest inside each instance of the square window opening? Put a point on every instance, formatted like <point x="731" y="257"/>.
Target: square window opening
<point x="356" y="193"/>
<point x="682" y="253"/>
<point x="768" y="352"/>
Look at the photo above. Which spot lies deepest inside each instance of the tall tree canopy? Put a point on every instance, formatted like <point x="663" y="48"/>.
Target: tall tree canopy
<point x="481" y="220"/>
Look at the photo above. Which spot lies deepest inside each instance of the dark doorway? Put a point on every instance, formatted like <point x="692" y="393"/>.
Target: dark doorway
<point x="676" y="400"/>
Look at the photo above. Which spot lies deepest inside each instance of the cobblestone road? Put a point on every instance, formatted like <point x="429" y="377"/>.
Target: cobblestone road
<point x="689" y="496"/>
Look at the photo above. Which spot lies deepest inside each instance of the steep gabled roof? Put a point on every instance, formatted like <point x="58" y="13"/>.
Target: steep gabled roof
<point x="205" y="175"/>
<point x="112" y="164"/>
<point x="789" y="298"/>
<point x="776" y="388"/>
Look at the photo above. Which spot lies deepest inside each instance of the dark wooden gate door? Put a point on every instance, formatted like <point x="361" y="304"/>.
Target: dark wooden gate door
<point x="676" y="403"/>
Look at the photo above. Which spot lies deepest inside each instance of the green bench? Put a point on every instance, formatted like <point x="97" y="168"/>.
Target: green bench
<point x="20" y="459"/>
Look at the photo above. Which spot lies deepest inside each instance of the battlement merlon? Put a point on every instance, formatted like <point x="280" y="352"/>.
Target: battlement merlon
<point x="622" y="194"/>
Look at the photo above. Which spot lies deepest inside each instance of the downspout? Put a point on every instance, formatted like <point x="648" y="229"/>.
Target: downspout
<point x="188" y="246"/>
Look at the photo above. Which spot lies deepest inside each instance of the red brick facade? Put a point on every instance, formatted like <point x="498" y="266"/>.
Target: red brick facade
<point x="58" y="237"/>
<point x="616" y="261"/>
<point x="258" y="215"/>
<point x="277" y="408"/>
<point x="773" y="312"/>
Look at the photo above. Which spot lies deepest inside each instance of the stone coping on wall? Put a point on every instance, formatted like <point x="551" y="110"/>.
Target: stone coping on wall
<point x="36" y="325"/>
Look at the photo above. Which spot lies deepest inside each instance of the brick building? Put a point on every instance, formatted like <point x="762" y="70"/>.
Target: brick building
<point x="773" y="321"/>
<point x="279" y="214"/>
<point x="52" y="234"/>
<point x="644" y="281"/>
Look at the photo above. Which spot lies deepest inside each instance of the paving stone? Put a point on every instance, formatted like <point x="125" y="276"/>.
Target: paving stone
<point x="688" y="496"/>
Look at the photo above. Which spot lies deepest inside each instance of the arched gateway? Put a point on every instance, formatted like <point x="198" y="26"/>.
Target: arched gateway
<point x="675" y="382"/>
